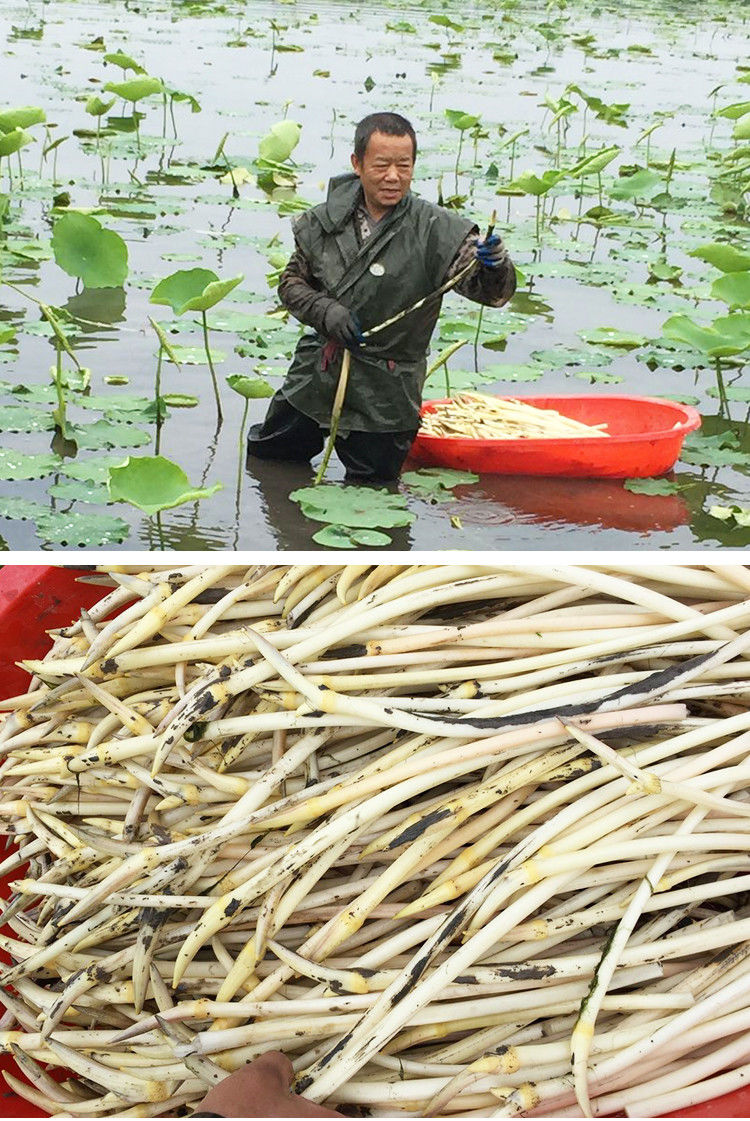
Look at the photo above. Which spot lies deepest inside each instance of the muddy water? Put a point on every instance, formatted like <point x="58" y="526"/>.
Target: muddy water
<point x="326" y="65"/>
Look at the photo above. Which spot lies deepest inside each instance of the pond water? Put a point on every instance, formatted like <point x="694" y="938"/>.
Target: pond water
<point x="610" y="251"/>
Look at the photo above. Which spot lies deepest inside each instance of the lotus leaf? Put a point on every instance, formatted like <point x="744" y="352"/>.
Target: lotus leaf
<point x="154" y="483"/>
<point x="80" y="490"/>
<point x="77" y="530"/>
<point x="85" y="249"/>
<point x="727" y="335"/>
<point x="24" y="117"/>
<point x="341" y="537"/>
<point x="436" y="483"/>
<point x="124" y="61"/>
<point x="741" y="130"/>
<point x="24" y="418"/>
<point x="713" y="451"/>
<point x="106" y="434"/>
<point x="733" y="289"/>
<point x="94" y="469"/>
<point x="611" y="336"/>
<point x="532" y="184"/>
<point x="652" y="486"/>
<point x="353" y="506"/>
<point x="17" y="465"/>
<point x="735" y="111"/>
<point x="248" y="387"/>
<point x="192" y="290"/>
<point x="642" y="184"/>
<point x="135" y="89"/>
<point x="461" y="120"/>
<point x="280" y="142"/>
<point x="13" y="141"/>
<point x="722" y="256"/>
<point x="96" y="107"/>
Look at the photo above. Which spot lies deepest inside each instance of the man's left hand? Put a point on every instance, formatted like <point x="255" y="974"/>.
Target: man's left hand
<point x="491" y="252"/>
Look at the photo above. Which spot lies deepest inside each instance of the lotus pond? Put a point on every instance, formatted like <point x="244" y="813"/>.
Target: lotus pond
<point x="153" y="153"/>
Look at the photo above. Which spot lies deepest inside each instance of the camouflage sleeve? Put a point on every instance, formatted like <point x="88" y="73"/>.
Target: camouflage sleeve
<point x="299" y="294"/>
<point x="493" y="287"/>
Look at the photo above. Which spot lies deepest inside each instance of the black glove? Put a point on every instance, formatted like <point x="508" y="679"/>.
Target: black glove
<point x="342" y="326"/>
<point x="491" y="252"/>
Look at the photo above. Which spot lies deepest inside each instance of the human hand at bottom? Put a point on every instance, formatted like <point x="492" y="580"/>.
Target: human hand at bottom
<point x="261" y="1089"/>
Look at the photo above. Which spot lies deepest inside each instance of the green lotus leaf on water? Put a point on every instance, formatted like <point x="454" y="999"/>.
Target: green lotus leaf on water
<point x="353" y="506"/>
<point x="24" y="418"/>
<point x="722" y="256"/>
<point x="95" y="469"/>
<point x="278" y="144"/>
<point x="154" y="483"/>
<point x="135" y="89"/>
<point x="20" y="465"/>
<point x="248" y="387"/>
<point x="85" y="249"/>
<point x="13" y="141"/>
<point x="726" y="336"/>
<point x="23" y="117"/>
<point x="97" y="107"/>
<point x="124" y="61"/>
<point x="652" y="486"/>
<point x="344" y="537"/>
<point x="106" y="433"/>
<point x="66" y="527"/>
<point x="435" y="484"/>
<point x="734" y="289"/>
<point x="80" y="490"/>
<point x="717" y="450"/>
<point x="611" y="336"/>
<point x="192" y="290"/>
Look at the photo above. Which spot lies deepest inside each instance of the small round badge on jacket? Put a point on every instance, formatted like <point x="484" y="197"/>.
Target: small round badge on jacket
<point x="377" y="269"/>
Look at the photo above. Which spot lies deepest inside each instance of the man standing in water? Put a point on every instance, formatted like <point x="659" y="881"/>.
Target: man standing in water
<point x="372" y="249"/>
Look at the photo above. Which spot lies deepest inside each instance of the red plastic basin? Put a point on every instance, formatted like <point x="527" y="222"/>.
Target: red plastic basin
<point x="34" y="599"/>
<point x="645" y="438"/>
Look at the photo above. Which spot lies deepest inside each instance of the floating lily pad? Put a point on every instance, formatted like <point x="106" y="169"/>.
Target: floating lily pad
<point x="80" y="531"/>
<point x="353" y="506"/>
<point x="25" y="418"/>
<point x="342" y="537"/>
<point x="154" y="483"/>
<point x="436" y="483"/>
<point x="652" y="486"/>
<point x="713" y="451"/>
<point x="18" y="465"/>
<point x="722" y="256"/>
<point x="611" y="336"/>
<point x="80" y="490"/>
<point x="195" y="355"/>
<point x="94" y="469"/>
<point x="108" y="434"/>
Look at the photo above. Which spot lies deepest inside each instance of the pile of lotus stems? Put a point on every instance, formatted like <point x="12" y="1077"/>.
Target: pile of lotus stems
<point x="482" y="417"/>
<point x="462" y="839"/>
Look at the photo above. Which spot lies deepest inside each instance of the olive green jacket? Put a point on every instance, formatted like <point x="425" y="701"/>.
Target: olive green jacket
<point x="405" y="258"/>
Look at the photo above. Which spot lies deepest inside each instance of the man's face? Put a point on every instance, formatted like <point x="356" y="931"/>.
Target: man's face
<point x="386" y="171"/>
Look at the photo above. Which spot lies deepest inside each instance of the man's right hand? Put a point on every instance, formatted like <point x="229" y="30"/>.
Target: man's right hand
<point x="342" y="326"/>
<point x="261" y="1089"/>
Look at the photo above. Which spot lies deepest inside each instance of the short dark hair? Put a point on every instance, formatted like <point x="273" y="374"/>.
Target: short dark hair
<point x="392" y="124"/>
